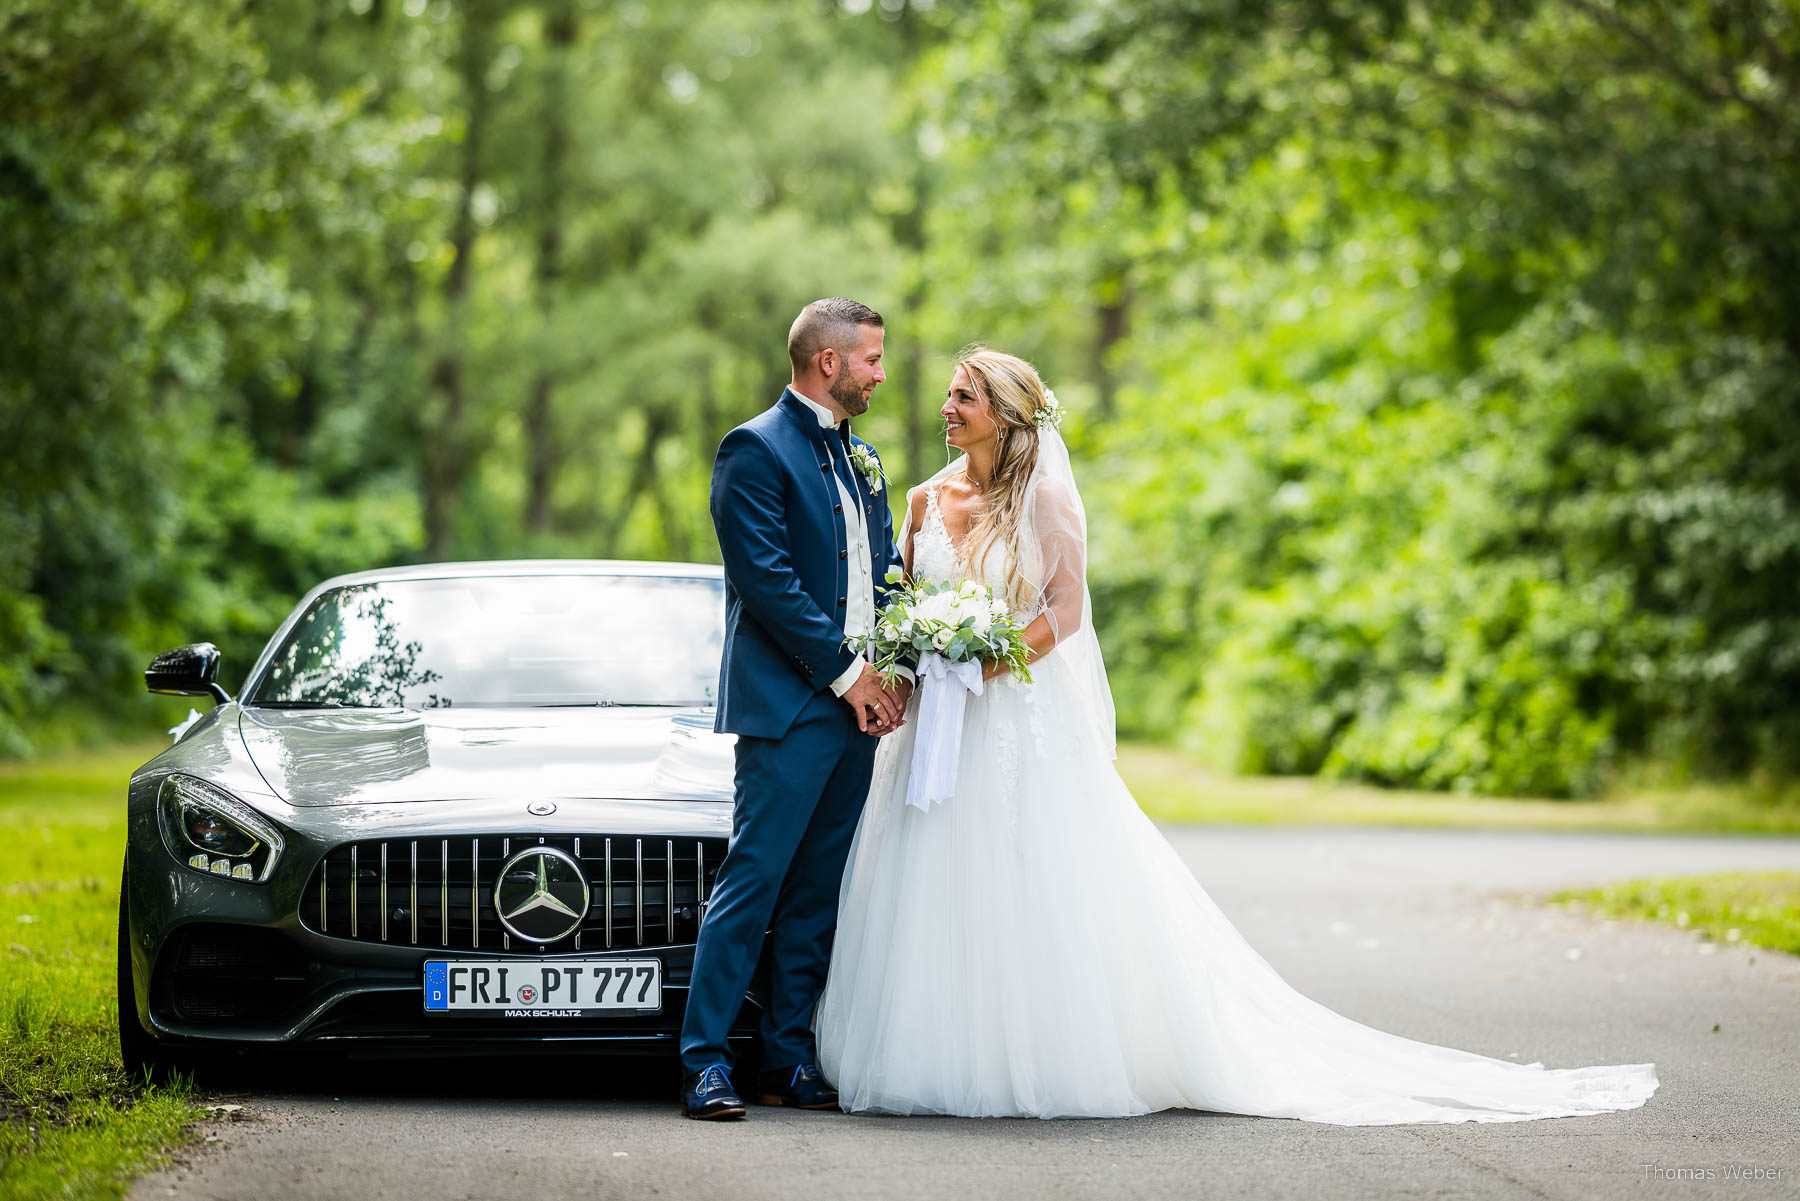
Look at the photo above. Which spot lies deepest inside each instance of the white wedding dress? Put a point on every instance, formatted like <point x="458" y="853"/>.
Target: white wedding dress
<point x="1035" y="947"/>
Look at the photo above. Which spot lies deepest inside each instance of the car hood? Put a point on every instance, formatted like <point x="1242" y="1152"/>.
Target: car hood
<point x="356" y="756"/>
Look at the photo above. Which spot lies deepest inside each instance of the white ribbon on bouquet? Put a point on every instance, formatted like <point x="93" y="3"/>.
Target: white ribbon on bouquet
<point x="945" y="688"/>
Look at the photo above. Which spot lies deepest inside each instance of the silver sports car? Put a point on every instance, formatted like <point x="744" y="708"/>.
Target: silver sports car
<point x="458" y="807"/>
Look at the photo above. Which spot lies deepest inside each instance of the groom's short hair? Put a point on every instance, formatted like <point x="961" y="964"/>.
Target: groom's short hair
<point x="831" y="322"/>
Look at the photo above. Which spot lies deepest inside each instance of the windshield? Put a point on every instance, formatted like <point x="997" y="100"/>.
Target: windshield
<point x="503" y="640"/>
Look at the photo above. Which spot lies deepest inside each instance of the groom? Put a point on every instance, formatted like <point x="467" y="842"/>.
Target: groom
<point x="807" y="541"/>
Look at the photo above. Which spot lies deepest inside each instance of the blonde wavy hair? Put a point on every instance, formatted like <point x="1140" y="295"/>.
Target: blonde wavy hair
<point x="1011" y="391"/>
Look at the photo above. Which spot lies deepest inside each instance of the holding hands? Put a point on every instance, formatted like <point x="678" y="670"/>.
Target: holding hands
<point x="878" y="708"/>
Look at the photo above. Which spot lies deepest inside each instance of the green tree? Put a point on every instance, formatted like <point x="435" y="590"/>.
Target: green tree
<point x="1593" y="340"/>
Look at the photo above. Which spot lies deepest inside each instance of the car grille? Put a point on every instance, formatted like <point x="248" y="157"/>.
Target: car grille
<point x="439" y="892"/>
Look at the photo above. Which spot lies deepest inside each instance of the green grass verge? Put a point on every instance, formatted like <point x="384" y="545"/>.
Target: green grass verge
<point x="1171" y="786"/>
<point x="71" y="1123"/>
<point x="1755" y="907"/>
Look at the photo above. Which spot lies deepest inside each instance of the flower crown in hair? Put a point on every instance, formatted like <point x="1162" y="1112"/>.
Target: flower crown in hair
<point x="1048" y="415"/>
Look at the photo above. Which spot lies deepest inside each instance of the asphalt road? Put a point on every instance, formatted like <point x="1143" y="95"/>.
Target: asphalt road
<point x="1430" y="934"/>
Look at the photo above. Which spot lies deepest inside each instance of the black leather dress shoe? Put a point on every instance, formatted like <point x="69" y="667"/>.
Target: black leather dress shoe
<point x="706" y="1095"/>
<point x="802" y="1086"/>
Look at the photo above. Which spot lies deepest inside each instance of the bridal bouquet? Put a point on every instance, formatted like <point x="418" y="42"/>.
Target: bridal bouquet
<point x="963" y="624"/>
<point x="953" y="629"/>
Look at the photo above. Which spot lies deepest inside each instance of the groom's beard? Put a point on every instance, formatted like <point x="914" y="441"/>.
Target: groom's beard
<point x="849" y="396"/>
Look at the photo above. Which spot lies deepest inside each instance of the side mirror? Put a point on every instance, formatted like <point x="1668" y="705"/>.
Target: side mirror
<point x="187" y="671"/>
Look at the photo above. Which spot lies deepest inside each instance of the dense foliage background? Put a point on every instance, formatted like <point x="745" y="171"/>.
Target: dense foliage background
<point x="1435" y="366"/>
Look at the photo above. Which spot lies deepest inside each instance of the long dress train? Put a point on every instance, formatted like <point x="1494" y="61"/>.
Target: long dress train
<point x="1035" y="947"/>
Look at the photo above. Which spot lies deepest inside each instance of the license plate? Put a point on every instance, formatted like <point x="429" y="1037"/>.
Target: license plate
<point x="567" y="988"/>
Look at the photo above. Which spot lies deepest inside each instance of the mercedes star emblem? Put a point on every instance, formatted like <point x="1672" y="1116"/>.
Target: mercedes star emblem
<point x="544" y="900"/>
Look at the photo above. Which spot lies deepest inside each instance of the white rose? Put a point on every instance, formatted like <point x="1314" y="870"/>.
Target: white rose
<point x="935" y="607"/>
<point x="984" y="623"/>
<point x="943" y="638"/>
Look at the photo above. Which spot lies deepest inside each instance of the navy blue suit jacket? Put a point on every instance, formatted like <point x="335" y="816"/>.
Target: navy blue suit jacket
<point x="778" y="514"/>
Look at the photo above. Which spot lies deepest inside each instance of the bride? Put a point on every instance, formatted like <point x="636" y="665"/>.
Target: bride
<point x="1033" y="946"/>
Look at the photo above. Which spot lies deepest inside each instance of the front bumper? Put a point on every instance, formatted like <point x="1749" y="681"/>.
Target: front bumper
<point x="214" y="982"/>
<point x="218" y="962"/>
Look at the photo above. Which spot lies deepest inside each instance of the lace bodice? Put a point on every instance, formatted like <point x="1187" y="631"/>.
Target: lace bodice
<point x="937" y="558"/>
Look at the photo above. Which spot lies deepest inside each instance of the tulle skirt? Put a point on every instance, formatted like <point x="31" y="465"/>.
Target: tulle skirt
<point x="1035" y="947"/>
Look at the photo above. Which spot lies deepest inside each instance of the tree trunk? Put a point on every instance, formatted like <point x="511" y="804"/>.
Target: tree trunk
<point x="707" y="433"/>
<point x="447" y="447"/>
<point x="914" y="395"/>
<point x="543" y="450"/>
<point x="643" y="481"/>
<point x="542" y="457"/>
<point x="912" y="363"/>
<point x="1112" y="325"/>
<point x="303" y="416"/>
<point x="916" y="38"/>
<point x="675" y="539"/>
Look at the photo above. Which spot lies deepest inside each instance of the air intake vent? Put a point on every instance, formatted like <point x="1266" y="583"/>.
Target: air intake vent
<point x="232" y="974"/>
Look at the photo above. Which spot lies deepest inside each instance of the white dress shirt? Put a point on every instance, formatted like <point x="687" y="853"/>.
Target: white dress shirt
<point x="859" y="608"/>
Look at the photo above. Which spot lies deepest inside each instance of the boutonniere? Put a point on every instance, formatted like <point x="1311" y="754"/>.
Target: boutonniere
<point x="865" y="461"/>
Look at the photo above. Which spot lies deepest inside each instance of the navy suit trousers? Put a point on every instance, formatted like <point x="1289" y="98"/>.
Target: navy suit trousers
<point x="797" y="802"/>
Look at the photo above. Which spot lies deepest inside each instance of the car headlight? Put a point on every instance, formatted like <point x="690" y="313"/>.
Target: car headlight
<point x="214" y="832"/>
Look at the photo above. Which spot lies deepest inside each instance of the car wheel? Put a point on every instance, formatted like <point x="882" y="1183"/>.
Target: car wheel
<point x="142" y="1055"/>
